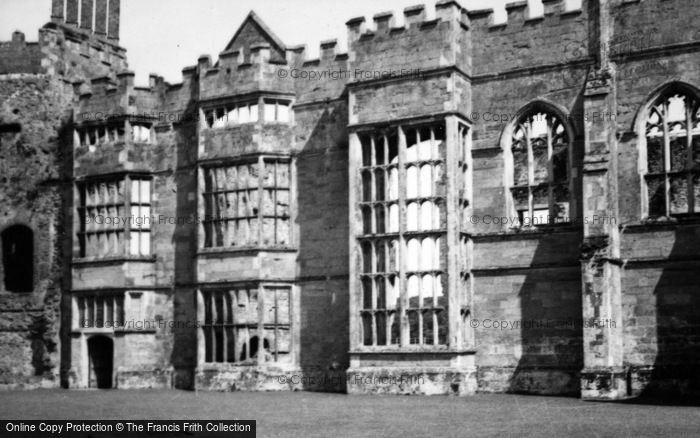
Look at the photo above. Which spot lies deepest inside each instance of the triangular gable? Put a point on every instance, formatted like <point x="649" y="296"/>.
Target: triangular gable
<point x="253" y="32"/>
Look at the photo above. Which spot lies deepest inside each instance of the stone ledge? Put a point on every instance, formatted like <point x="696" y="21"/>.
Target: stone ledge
<point x="411" y="380"/>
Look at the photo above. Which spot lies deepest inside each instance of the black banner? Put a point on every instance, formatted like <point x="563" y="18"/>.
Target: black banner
<point x="128" y="428"/>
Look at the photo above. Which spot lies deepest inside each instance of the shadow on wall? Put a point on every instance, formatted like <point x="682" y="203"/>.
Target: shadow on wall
<point x="184" y="354"/>
<point x="676" y="370"/>
<point x="322" y="181"/>
<point x="65" y="237"/>
<point x="551" y="297"/>
<point x="551" y="331"/>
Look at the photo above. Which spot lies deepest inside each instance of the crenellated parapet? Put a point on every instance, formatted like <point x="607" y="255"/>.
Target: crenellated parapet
<point x="20" y="56"/>
<point x="116" y="124"/>
<point x="106" y="97"/>
<point x="557" y="35"/>
<point x="320" y="79"/>
<point x="422" y="68"/>
<point x="417" y="47"/>
<point x="238" y="73"/>
<point x="62" y="50"/>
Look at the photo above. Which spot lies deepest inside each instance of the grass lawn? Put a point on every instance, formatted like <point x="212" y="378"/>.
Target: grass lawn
<point x="303" y="414"/>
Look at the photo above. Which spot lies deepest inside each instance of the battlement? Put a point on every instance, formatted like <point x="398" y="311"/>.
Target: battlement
<point x="322" y="78"/>
<point x="419" y="45"/>
<point x="519" y="13"/>
<point x="554" y="36"/>
<point x="19" y="56"/>
<point x="328" y="53"/>
<point x="415" y="17"/>
<point x="106" y="97"/>
<point x="238" y="74"/>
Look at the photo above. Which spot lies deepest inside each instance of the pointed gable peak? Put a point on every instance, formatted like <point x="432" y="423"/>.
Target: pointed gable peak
<point x="252" y="32"/>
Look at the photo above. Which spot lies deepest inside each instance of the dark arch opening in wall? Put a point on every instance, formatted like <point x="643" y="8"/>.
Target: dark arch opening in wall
<point x="254" y="346"/>
<point x="18" y="258"/>
<point x="101" y="352"/>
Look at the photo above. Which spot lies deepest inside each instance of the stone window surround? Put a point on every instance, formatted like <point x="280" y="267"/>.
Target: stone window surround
<point x="220" y="110"/>
<point x="258" y="159"/>
<point x="661" y="94"/>
<point x="457" y="160"/>
<point x="127" y="177"/>
<point x="128" y="312"/>
<point x="206" y="323"/>
<point x="530" y="109"/>
<point x="113" y="131"/>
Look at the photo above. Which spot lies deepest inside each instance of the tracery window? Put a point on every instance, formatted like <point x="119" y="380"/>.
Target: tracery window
<point x="540" y="148"/>
<point x="672" y="167"/>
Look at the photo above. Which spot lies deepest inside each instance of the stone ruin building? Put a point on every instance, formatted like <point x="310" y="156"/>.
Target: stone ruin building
<point x="453" y="206"/>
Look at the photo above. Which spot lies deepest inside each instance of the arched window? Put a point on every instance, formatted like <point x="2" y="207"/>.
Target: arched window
<point x="540" y="174"/>
<point x="671" y="166"/>
<point x="18" y="258"/>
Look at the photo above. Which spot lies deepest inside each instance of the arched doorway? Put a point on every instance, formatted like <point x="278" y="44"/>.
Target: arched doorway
<point x="101" y="354"/>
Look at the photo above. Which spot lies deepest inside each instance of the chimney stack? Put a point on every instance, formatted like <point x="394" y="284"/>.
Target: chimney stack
<point x="72" y="12"/>
<point x="98" y="16"/>
<point x="86" y="14"/>
<point x="113" y="29"/>
<point x="57" y="7"/>
<point x="101" y="17"/>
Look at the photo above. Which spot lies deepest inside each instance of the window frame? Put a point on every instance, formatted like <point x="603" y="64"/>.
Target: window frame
<point x="660" y="98"/>
<point x="527" y="112"/>
<point x="278" y="103"/>
<point x="211" y="321"/>
<point x="207" y="238"/>
<point x="85" y="314"/>
<point x="256" y="106"/>
<point x="124" y="250"/>
<point x="400" y="314"/>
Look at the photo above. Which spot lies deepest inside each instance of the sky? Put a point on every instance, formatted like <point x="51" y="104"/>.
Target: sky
<point x="163" y="36"/>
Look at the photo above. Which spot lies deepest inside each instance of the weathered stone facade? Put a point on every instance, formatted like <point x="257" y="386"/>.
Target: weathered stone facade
<point x="452" y="206"/>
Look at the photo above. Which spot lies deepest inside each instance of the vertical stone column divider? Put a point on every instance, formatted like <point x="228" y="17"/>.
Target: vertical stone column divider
<point x="261" y="325"/>
<point x="355" y="225"/>
<point x="201" y="348"/>
<point x="453" y="244"/>
<point x="603" y="376"/>
<point x="403" y="250"/>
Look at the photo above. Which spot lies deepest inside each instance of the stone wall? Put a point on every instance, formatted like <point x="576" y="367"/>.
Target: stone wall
<point x="458" y="65"/>
<point x="31" y="195"/>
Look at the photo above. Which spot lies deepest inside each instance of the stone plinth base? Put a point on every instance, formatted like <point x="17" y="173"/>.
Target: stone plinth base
<point x="224" y="377"/>
<point x="144" y="379"/>
<point x="604" y="384"/>
<point x="560" y="381"/>
<point x="404" y="381"/>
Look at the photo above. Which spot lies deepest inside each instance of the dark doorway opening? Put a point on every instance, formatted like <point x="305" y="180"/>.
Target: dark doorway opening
<point x="101" y="352"/>
<point x="18" y="258"/>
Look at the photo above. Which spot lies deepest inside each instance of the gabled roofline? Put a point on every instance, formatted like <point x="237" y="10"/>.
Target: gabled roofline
<point x="252" y="16"/>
